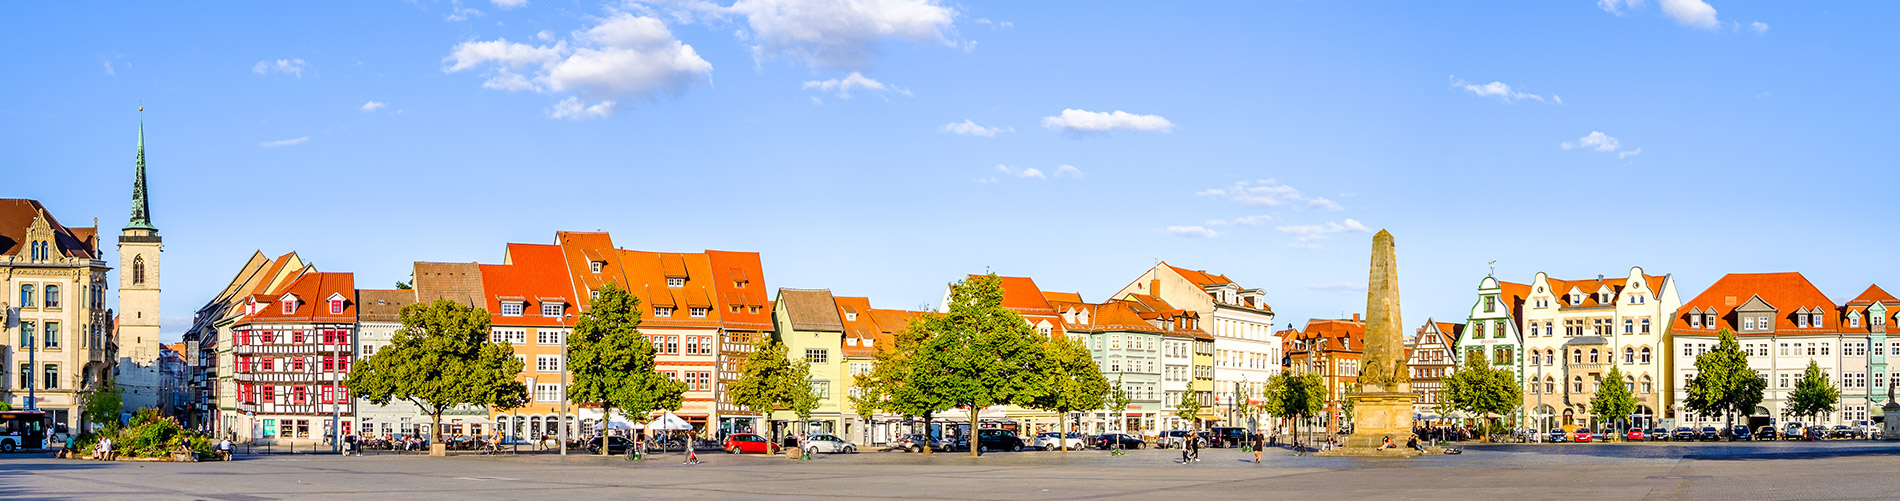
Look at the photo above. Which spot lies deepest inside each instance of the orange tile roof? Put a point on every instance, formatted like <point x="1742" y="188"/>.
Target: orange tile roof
<point x="1589" y="288"/>
<point x="859" y="326"/>
<point x="646" y="275"/>
<point x="534" y="274"/>
<point x="728" y="269"/>
<point x="1873" y="294"/>
<point x="1513" y="295"/>
<point x="1071" y="297"/>
<point x="1451" y="331"/>
<point x="1330" y="332"/>
<point x="1787" y="292"/>
<point x="313" y="291"/>
<point x="17" y="214"/>
<point x="1200" y="277"/>
<point x="1021" y="295"/>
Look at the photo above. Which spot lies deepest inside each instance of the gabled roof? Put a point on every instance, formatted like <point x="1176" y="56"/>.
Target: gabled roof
<point x="458" y="282"/>
<point x="17" y="214"/>
<point x="1070" y="297"/>
<point x="383" y="305"/>
<point x="310" y="285"/>
<point x="1590" y="287"/>
<point x="1200" y="277"/>
<point x="861" y="331"/>
<point x="728" y="268"/>
<point x="1786" y="292"/>
<point x="810" y="310"/>
<point x="1021" y="295"/>
<point x="1873" y="294"/>
<point x="1332" y="334"/>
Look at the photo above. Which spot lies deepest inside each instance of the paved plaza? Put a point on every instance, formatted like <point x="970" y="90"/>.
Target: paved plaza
<point x="1825" y="470"/>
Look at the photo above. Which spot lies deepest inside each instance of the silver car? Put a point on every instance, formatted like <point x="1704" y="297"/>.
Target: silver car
<point x="828" y="443"/>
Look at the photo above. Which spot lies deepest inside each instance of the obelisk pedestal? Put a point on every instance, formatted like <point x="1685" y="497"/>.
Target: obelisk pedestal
<point x="1382" y="408"/>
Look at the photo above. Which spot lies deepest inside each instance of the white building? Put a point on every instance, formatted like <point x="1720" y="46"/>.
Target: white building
<point x="1246" y="349"/>
<point x="1782" y="323"/>
<point x="1576" y="330"/>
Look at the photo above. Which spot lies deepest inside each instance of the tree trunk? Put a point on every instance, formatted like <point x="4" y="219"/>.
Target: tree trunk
<point x="1062" y="433"/>
<point x="606" y="416"/>
<point x="976" y="442"/>
<point x="930" y="448"/>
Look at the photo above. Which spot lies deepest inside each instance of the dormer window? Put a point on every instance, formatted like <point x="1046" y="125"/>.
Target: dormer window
<point x="697" y="312"/>
<point x="867" y="342"/>
<point x="1709" y="320"/>
<point x="336" y="306"/>
<point x="512" y="308"/>
<point x="1576" y="298"/>
<point x="1817" y="320"/>
<point x="1695" y="320"/>
<point x="738" y="284"/>
<point x="1853" y="320"/>
<point x="551" y="308"/>
<point x="1603" y="298"/>
<point x="1877" y="321"/>
<point x="850" y="317"/>
<point x="663" y="312"/>
<point x="595" y="266"/>
<point x="290" y="305"/>
<point x="675" y="282"/>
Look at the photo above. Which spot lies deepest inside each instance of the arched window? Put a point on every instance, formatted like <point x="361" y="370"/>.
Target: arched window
<point x="1629" y="383"/>
<point x="1593" y="356"/>
<point x="1550" y="385"/>
<point x="1629" y="355"/>
<point x="1645" y="354"/>
<point x="52" y="296"/>
<point x="1576" y="384"/>
<point x="1647" y="384"/>
<point x="26" y="296"/>
<point x="1532" y="384"/>
<point x="1576" y="356"/>
<point x="138" y="270"/>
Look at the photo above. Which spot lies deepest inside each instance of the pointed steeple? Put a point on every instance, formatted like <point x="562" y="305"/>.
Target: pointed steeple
<point x="141" y="210"/>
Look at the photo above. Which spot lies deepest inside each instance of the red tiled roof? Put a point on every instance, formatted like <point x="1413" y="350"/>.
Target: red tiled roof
<point x="730" y="267"/>
<point x="17" y="214"/>
<point x="532" y="272"/>
<point x="1872" y="295"/>
<point x="1331" y="331"/>
<point x="1787" y="292"/>
<point x="313" y="291"/>
<point x="1070" y="297"/>
<point x="858" y="325"/>
<point x="1200" y="277"/>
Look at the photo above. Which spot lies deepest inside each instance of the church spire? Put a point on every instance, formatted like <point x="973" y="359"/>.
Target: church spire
<point x="141" y="211"/>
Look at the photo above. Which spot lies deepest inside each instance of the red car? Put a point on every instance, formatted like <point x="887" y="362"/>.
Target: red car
<point x="1634" y="434"/>
<point x="747" y="443"/>
<point x="1582" y="435"/>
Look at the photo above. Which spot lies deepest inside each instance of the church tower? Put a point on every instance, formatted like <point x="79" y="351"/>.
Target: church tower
<point x="137" y="333"/>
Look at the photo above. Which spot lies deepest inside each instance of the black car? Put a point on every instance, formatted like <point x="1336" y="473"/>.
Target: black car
<point x="1842" y="431"/>
<point x="1106" y="442"/>
<point x="1740" y="432"/>
<point x="998" y="440"/>
<point x="1766" y="433"/>
<point x="615" y="445"/>
<point x="1656" y="434"/>
<point x="1229" y="437"/>
<point x="1557" y="435"/>
<point x="1683" y="434"/>
<point x="1710" y="433"/>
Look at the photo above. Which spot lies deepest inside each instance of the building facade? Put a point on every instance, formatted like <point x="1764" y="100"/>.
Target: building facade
<point x="1576" y="330"/>
<point x="1128" y="350"/>
<point x="58" y="342"/>
<point x="1246" y="349"/>
<point x="293" y="346"/>
<point x="1491" y="332"/>
<point x="811" y="328"/>
<point x="1330" y="348"/>
<point x="379" y="316"/>
<point x="139" y="379"/>
<point x="1432" y="358"/>
<point x="1782" y="322"/>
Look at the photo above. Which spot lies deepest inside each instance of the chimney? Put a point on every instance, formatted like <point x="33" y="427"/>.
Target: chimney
<point x="1154" y="286"/>
<point x="1355" y="317"/>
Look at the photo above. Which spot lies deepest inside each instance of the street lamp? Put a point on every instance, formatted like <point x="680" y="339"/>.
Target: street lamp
<point x="562" y="419"/>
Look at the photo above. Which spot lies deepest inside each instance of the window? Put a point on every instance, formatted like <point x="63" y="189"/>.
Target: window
<point x="675" y="282"/>
<point x="290" y="305"/>
<point x="52" y="296"/>
<point x="297" y="364"/>
<point x="1502" y="355"/>
<point x="1748" y="323"/>
<point x="336" y="306"/>
<point x="692" y="344"/>
<point x="1817" y="320"/>
<point x="1782" y="381"/>
<point x="26" y="296"/>
<point x="595" y="266"/>
<point x="138" y="270"/>
<point x="1490" y="304"/>
<point x="300" y="394"/>
<point x="547" y="363"/>
<point x="821" y="389"/>
<point x="1880" y="380"/>
<point x="52" y="377"/>
<point x="547" y="392"/>
<point x="512" y="308"/>
<point x="672" y="345"/>
<point x="697" y="312"/>
<point x="1629" y="326"/>
<point x="1646" y="354"/>
<point x="269" y="365"/>
<point x="1593" y="355"/>
<point x="817" y="355"/>
<point x="738" y="284"/>
<point x="510" y="336"/>
<point x="1576" y="384"/>
<point x="1645" y="326"/>
<point x="551" y="308"/>
<point x="1695" y="320"/>
<point x="663" y="312"/>
<point x="1648" y="385"/>
<point x="296" y="337"/>
<point x="1629" y="355"/>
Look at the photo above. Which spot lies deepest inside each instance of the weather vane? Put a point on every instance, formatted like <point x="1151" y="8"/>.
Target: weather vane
<point x="1494" y="268"/>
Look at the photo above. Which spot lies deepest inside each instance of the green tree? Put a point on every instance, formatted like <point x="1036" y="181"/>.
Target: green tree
<point x="612" y="364"/>
<point x="986" y="354"/>
<point x="1482" y="390"/>
<point x="770" y="380"/>
<point x="901" y="380"/>
<point x="1613" y="401"/>
<point x="440" y="358"/>
<point x="1189" y="409"/>
<point x="1075" y="383"/>
<point x="1814" y="394"/>
<point x="1118" y="401"/>
<point x="1295" y="396"/>
<point x="1724" y="384"/>
<point x="101" y="406"/>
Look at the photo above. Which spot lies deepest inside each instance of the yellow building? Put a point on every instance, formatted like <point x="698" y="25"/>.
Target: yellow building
<point x="57" y="341"/>
<point x="809" y="324"/>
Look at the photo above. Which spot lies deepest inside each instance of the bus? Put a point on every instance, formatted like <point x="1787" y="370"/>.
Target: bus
<point x="23" y="430"/>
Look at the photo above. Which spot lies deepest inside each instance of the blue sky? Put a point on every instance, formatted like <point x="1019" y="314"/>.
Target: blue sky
<point x="1257" y="139"/>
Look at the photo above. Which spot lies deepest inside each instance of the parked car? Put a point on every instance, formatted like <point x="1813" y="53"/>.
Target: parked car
<point x="1683" y="434"/>
<point x="994" y="439"/>
<point x="915" y="442"/>
<point x="1582" y="435"/>
<point x="828" y="443"/>
<point x="1842" y="431"/>
<point x="1795" y="431"/>
<point x="1054" y="440"/>
<point x="1741" y="432"/>
<point x="748" y="443"/>
<point x="1709" y="433"/>
<point x="1766" y="433"/>
<point x="1173" y="439"/>
<point x="1228" y="437"/>
<point x="1106" y="442"/>
<point x="615" y="445"/>
<point x="1558" y="436"/>
<point x="1635" y="434"/>
<point x="1658" y="434"/>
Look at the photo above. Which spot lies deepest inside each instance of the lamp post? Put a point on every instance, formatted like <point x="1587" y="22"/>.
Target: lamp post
<point x="562" y="419"/>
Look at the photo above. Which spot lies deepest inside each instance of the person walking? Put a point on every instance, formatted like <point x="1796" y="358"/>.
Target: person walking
<point x="1259" y="446"/>
<point x="692" y="449"/>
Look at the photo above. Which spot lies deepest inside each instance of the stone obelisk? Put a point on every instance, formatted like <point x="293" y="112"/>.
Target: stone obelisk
<point x="1382" y="408"/>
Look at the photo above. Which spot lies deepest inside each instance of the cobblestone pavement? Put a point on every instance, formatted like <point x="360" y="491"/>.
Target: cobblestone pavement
<point x="1727" y="471"/>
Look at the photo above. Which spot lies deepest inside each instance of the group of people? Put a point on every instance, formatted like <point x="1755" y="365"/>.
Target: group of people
<point x="1410" y="443"/>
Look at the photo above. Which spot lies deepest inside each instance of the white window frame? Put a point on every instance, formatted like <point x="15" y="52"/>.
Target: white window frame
<point x="513" y="308"/>
<point x="675" y="282"/>
<point x="547" y="363"/>
<point x="697" y="312"/>
<point x="552" y="308"/>
<point x="663" y="312"/>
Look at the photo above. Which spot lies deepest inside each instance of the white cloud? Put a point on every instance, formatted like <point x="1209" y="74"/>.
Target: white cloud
<point x="970" y="128"/>
<point x="458" y="13"/>
<point x="1499" y="90"/>
<point x="840" y="33"/>
<point x="1308" y="236"/>
<point x="373" y="106"/>
<point x="1759" y="27"/>
<point x="284" y="142"/>
<point x="509" y="4"/>
<point x="293" y="66"/>
<point x="573" y="109"/>
<point x="1269" y="193"/>
<point x="1066" y="170"/>
<point x="1061" y="171"/>
<point x="1617" y="6"/>
<point x="1031" y="172"/>
<point x="1083" y="121"/>
<point x="1599" y="141"/>
<point x="623" y="56"/>
<point x="544" y="36"/>
<point x="1693" y="13"/>
<point x="1191" y="231"/>
<point x="852" y="82"/>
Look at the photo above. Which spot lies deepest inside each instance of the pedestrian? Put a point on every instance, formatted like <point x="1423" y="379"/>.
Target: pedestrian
<point x="349" y="442"/>
<point x="1259" y="446"/>
<point x="224" y="449"/>
<point x="692" y="450"/>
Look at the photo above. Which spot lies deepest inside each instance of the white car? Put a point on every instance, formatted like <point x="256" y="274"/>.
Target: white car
<point x="829" y="443"/>
<point x="1050" y="441"/>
